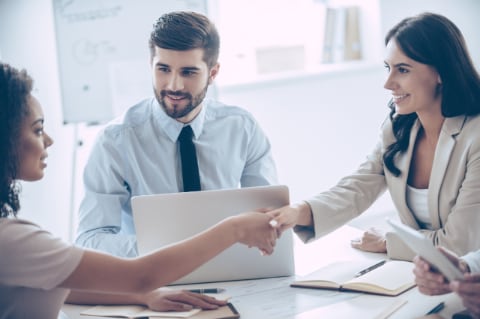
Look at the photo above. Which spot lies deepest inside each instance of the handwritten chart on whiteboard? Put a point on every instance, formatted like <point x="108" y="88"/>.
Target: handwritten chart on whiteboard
<point x="103" y="55"/>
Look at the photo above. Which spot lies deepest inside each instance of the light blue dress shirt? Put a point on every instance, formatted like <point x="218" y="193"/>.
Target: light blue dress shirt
<point x="473" y="261"/>
<point x="138" y="154"/>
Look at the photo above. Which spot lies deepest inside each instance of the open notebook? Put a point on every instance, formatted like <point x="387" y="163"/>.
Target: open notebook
<point x="390" y="279"/>
<point x="163" y="219"/>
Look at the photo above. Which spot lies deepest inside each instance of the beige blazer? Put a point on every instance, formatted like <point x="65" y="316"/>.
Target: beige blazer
<point x="453" y="194"/>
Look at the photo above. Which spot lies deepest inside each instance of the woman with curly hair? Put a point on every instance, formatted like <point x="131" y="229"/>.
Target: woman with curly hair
<point x="428" y="155"/>
<point x="40" y="269"/>
<point x="13" y="95"/>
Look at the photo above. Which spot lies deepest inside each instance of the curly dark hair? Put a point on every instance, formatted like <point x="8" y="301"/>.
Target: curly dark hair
<point x="434" y="40"/>
<point x="15" y="88"/>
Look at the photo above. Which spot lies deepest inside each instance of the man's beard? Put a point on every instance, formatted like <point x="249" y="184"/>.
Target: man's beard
<point x="176" y="112"/>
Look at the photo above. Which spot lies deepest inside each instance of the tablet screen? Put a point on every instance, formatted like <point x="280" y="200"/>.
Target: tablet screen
<point x="423" y="247"/>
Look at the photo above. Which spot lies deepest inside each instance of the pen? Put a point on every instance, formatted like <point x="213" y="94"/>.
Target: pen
<point x="366" y="270"/>
<point x="437" y="308"/>
<point x="207" y="290"/>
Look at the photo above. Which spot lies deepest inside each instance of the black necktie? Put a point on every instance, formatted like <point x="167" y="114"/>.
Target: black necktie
<point x="191" y="178"/>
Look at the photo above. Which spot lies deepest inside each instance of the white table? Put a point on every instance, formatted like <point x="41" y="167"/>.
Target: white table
<point x="273" y="298"/>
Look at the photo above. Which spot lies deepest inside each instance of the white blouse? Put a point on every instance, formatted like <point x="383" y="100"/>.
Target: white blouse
<point x="417" y="201"/>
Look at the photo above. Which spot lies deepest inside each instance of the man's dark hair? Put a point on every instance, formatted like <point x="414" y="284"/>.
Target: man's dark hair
<point x="183" y="31"/>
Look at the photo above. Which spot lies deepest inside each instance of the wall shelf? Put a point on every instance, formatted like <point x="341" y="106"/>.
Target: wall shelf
<point x="322" y="71"/>
<point x="293" y="44"/>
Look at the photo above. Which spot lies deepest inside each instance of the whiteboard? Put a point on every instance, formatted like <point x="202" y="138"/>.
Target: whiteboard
<point x="103" y="55"/>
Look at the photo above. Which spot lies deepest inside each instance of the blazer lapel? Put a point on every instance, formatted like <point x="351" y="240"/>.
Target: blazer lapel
<point x="400" y="183"/>
<point x="446" y="142"/>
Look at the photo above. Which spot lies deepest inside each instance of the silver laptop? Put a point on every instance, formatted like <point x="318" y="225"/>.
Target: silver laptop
<point x="164" y="219"/>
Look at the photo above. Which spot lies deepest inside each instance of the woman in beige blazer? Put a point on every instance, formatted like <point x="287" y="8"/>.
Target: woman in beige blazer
<point x="428" y="155"/>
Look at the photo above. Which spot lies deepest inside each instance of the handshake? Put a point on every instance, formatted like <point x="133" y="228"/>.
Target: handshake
<point x="263" y="227"/>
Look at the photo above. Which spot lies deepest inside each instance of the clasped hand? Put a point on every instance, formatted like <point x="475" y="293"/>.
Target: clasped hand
<point x="373" y="240"/>
<point x="256" y="231"/>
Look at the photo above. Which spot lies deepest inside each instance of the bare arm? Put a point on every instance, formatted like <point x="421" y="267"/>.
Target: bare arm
<point x="102" y="273"/>
<point x="162" y="299"/>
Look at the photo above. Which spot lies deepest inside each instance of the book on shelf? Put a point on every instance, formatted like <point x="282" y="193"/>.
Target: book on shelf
<point x="341" y="41"/>
<point x="339" y="32"/>
<point x="390" y="279"/>
<point x="327" y="54"/>
<point x="131" y="311"/>
<point x="352" y="34"/>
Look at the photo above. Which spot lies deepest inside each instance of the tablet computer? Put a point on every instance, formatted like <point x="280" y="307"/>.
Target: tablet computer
<point x="423" y="247"/>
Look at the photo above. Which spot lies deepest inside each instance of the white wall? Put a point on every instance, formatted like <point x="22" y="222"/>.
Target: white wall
<point x="464" y="13"/>
<point x="27" y="41"/>
<point x="320" y="127"/>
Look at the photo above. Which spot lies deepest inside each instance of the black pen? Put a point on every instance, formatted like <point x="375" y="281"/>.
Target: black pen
<point x="437" y="308"/>
<point x="369" y="269"/>
<point x="207" y="290"/>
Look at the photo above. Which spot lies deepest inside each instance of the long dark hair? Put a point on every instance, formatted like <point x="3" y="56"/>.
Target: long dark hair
<point x="15" y="88"/>
<point x="434" y="40"/>
<point x="183" y="31"/>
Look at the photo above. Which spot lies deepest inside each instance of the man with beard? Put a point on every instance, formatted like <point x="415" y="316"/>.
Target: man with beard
<point x="140" y="153"/>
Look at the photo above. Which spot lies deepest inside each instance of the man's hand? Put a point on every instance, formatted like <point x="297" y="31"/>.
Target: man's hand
<point x="469" y="292"/>
<point x="429" y="281"/>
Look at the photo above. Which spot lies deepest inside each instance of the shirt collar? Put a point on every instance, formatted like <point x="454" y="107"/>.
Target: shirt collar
<point x="172" y="127"/>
